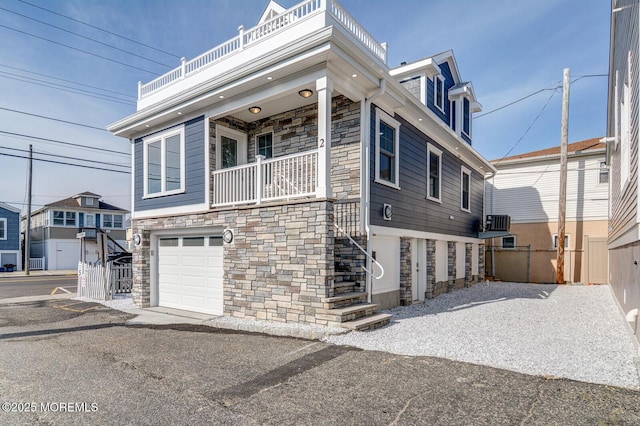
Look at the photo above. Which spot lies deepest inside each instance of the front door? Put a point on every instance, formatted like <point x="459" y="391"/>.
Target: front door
<point x="89" y="220"/>
<point x="231" y="146"/>
<point x="419" y="283"/>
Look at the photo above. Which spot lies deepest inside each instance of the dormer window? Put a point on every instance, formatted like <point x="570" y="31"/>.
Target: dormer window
<point x="466" y="117"/>
<point x="438" y="92"/>
<point x="89" y="201"/>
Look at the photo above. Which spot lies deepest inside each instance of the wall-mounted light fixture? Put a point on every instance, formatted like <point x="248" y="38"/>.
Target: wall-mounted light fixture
<point x="305" y="93"/>
<point x="255" y="109"/>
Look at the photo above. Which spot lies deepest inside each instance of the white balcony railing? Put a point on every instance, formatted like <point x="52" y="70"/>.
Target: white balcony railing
<point x="282" y="178"/>
<point x="246" y="37"/>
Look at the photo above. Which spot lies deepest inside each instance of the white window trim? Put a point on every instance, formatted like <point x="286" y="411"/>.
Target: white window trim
<point x="390" y="121"/>
<point x="232" y="134"/>
<point x="433" y="149"/>
<point x="554" y="239"/>
<point x="113" y="221"/>
<point x="3" y="224"/>
<point x="465" y="171"/>
<point x="86" y="216"/>
<point x="602" y="169"/>
<point x="515" y="243"/>
<point x="64" y="217"/>
<point x="162" y="137"/>
<point x="257" y="149"/>
<point x="437" y="79"/>
<point x="89" y="201"/>
<point x="462" y="117"/>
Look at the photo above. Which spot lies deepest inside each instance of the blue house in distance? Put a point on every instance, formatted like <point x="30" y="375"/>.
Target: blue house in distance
<point x="10" y="237"/>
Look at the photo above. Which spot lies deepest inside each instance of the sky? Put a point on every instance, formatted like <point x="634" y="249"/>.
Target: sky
<point x="508" y="49"/>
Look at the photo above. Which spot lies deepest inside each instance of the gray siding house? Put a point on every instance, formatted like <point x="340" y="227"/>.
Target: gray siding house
<point x="623" y="158"/>
<point x="290" y="174"/>
<point x="55" y="227"/>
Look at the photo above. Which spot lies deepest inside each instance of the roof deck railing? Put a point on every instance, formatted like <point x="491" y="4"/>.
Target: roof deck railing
<point x="247" y="37"/>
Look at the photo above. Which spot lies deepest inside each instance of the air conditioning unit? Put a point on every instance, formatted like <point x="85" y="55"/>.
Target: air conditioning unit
<point x="387" y="211"/>
<point x="498" y="222"/>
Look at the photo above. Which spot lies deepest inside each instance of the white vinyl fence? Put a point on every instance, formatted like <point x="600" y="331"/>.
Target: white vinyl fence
<point x="36" y="263"/>
<point x="100" y="283"/>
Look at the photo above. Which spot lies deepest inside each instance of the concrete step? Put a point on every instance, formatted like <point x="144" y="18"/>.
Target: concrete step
<point x="368" y="323"/>
<point x="343" y="287"/>
<point x="350" y="313"/>
<point x="344" y="299"/>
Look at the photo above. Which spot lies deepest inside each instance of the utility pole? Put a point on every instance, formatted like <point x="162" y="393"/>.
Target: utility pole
<point x="562" y="207"/>
<point x="27" y="232"/>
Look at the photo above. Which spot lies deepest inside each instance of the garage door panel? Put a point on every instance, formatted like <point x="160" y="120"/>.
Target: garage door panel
<point x="190" y="276"/>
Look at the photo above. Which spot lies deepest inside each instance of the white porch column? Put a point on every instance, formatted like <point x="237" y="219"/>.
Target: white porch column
<point x="324" y="87"/>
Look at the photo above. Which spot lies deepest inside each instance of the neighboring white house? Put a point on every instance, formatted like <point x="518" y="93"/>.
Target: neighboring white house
<point x="526" y="187"/>
<point x="55" y="227"/>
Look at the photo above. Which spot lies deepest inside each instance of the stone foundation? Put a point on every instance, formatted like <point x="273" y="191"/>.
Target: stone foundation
<point x="279" y="267"/>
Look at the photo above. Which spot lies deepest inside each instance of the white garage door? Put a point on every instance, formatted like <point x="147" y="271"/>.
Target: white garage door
<point x="67" y="255"/>
<point x="190" y="273"/>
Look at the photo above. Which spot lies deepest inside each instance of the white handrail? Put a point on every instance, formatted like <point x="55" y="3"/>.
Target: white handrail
<point x="365" y="253"/>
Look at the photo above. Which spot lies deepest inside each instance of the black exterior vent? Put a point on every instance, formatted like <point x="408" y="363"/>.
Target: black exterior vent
<point x="498" y="222"/>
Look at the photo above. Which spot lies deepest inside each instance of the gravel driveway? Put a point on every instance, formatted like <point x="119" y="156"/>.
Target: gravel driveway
<point x="575" y="332"/>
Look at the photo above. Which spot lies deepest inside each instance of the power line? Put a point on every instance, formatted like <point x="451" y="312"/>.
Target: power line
<point x="516" y="101"/>
<point x="64" y="88"/>
<point x="63" y="142"/>
<point x="88" y="38"/>
<point x="536" y="92"/>
<point x="528" y="128"/>
<point x="54" y="119"/>
<point x="101" y="29"/>
<point x="66" y="164"/>
<point x="68" y="81"/>
<point x="67" y="157"/>
<point x="79" y="50"/>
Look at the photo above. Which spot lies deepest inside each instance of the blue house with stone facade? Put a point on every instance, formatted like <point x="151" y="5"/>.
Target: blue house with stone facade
<point x="10" y="253"/>
<point x="290" y="174"/>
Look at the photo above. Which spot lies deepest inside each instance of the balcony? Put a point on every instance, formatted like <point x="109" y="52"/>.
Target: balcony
<point x="278" y="179"/>
<point x="297" y="22"/>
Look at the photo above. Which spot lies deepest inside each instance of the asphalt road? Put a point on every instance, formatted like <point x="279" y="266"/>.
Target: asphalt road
<point x="71" y="362"/>
<point x="35" y="285"/>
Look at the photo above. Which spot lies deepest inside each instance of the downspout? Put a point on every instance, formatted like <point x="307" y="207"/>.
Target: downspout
<point x="366" y="166"/>
<point x="493" y="245"/>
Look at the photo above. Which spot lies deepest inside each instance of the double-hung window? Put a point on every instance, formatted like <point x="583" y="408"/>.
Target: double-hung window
<point x="438" y="92"/>
<point x="62" y="218"/>
<point x="164" y="170"/>
<point x="112" y="221"/>
<point x="466" y="117"/>
<point x="434" y="173"/>
<point x="387" y="150"/>
<point x="603" y="175"/>
<point x="465" y="189"/>
<point x="3" y="228"/>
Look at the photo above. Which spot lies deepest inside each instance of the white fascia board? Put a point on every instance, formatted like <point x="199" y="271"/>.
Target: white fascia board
<point x="590" y="153"/>
<point x="10" y="208"/>
<point x="448" y="56"/>
<point x="428" y="65"/>
<point x="410" y="233"/>
<point x="302" y="51"/>
<point x="171" y="211"/>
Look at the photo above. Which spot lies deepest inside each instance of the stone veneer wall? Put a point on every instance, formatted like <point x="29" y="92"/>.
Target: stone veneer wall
<point x="431" y="269"/>
<point x="406" y="296"/>
<point x="468" y="252"/>
<point x="297" y="131"/>
<point x="451" y="264"/>
<point x="278" y="268"/>
<point x="481" y="261"/>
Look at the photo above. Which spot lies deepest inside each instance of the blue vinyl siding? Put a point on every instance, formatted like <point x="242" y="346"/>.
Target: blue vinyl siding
<point x="448" y="83"/>
<point x="411" y="209"/>
<point x="195" y="172"/>
<point x="13" y="230"/>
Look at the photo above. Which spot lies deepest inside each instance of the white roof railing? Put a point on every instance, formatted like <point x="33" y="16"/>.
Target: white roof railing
<point x="247" y="37"/>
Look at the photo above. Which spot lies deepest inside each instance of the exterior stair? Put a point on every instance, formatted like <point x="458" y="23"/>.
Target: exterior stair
<point x="349" y="309"/>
